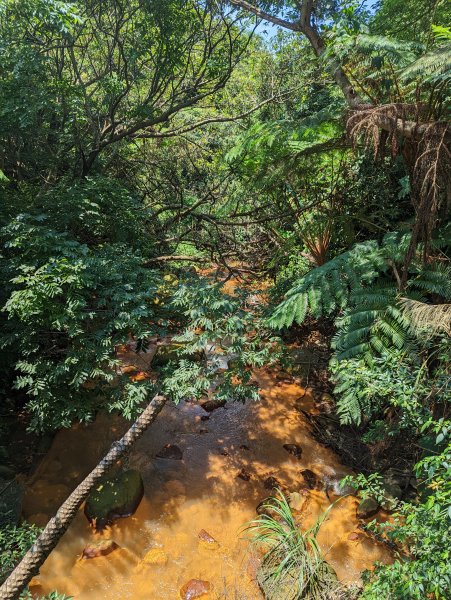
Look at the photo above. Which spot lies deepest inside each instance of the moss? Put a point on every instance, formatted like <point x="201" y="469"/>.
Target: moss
<point x="114" y="497"/>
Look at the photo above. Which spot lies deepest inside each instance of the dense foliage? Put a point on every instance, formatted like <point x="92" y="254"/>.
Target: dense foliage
<point x="147" y="145"/>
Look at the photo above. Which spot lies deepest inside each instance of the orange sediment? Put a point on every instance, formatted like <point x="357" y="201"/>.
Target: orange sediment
<point x="201" y="491"/>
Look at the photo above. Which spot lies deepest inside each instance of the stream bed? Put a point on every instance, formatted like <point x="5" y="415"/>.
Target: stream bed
<point x="203" y="491"/>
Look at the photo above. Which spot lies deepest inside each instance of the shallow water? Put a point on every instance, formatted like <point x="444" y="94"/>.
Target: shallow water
<point x="202" y="491"/>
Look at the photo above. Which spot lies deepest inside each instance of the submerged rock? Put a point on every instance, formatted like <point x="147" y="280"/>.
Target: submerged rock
<point x="206" y="537"/>
<point x="207" y="541"/>
<point x="367" y="508"/>
<point x="99" y="548"/>
<point x="171" y="452"/>
<point x="156" y="556"/>
<point x="311" y="479"/>
<point x="271" y="483"/>
<point x="244" y="475"/>
<point x="297" y="501"/>
<point x="195" y="588"/>
<point x="113" y="498"/>
<point x="293" y="449"/>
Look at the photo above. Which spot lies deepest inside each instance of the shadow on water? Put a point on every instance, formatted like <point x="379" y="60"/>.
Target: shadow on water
<point x="201" y="491"/>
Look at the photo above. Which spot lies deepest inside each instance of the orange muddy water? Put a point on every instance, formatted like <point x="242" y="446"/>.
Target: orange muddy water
<point x="201" y="491"/>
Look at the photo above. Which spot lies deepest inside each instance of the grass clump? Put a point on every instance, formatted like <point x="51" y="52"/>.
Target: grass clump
<point x="293" y="565"/>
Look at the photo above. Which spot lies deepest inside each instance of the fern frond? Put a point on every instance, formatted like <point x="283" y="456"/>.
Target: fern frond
<point x="431" y="66"/>
<point x="433" y="279"/>
<point x="349" y="409"/>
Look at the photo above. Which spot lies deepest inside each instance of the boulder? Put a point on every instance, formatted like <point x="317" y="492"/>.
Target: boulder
<point x="392" y="493"/>
<point x="175" y="487"/>
<point x="171" y="452"/>
<point x="293" y="449"/>
<point x="212" y="404"/>
<point x="99" y="548"/>
<point x="367" y="508"/>
<point x="114" y="497"/>
<point x="195" y="588"/>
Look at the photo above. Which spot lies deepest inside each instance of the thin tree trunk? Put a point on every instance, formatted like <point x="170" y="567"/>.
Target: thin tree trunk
<point x="32" y="561"/>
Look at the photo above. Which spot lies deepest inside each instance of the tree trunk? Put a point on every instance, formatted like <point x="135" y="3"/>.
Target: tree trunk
<point x="32" y="561"/>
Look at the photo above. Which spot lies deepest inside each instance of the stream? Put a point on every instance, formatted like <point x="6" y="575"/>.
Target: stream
<point x="203" y="491"/>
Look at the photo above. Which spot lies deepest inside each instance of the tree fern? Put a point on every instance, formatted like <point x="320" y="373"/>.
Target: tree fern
<point x="431" y="67"/>
<point x="326" y="289"/>
<point x="357" y="288"/>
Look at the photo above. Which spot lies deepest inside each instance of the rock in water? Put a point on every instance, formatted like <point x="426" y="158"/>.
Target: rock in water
<point x="293" y="449"/>
<point x="100" y="548"/>
<point x="156" y="556"/>
<point x="195" y="588"/>
<point x="171" y="452"/>
<point x="310" y="478"/>
<point x="213" y="404"/>
<point x="206" y="537"/>
<point x="207" y="541"/>
<point x="114" y="497"/>
<point x="244" y="475"/>
<point x="297" y="501"/>
<point x="266" y="507"/>
<point x="271" y="483"/>
<point x="367" y="508"/>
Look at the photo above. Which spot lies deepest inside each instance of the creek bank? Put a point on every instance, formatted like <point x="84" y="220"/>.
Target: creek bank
<point x="309" y="352"/>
